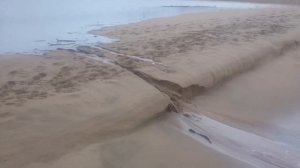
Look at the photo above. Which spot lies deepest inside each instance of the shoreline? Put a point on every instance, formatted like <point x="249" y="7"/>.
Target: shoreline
<point x="61" y="104"/>
<point x="73" y="38"/>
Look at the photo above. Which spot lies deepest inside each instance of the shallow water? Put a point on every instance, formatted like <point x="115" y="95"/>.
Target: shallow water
<point x="251" y="148"/>
<point x="37" y="25"/>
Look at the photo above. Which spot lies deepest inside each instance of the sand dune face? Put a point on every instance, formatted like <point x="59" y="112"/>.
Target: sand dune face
<point x="93" y="107"/>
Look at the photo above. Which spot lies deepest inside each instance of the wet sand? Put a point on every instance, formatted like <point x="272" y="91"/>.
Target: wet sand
<point x="201" y="62"/>
<point x="264" y="100"/>
<point x="156" y="144"/>
<point x="231" y="76"/>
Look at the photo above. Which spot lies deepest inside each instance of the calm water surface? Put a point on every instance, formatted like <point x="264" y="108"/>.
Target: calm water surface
<point x="37" y="25"/>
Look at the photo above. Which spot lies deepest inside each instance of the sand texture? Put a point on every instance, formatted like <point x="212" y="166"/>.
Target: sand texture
<point x="54" y="103"/>
<point x="204" y="49"/>
<point x="240" y="69"/>
<point x="231" y="76"/>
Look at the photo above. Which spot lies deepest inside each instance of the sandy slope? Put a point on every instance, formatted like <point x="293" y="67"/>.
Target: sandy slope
<point x="198" y="52"/>
<point x="203" y="49"/>
<point x="64" y="110"/>
<point x="265" y="100"/>
<point x="54" y="103"/>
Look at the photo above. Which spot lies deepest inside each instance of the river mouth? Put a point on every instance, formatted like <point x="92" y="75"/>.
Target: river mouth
<point x="35" y="26"/>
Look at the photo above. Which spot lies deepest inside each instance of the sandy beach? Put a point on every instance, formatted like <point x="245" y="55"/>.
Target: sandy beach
<point x="210" y="89"/>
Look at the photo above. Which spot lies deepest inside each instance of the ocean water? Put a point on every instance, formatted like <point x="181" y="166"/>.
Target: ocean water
<point x="38" y="25"/>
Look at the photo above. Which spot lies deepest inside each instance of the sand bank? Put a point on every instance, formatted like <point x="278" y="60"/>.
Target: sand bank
<point x="203" y="51"/>
<point x="79" y="108"/>
<point x="54" y="103"/>
<point x="264" y="100"/>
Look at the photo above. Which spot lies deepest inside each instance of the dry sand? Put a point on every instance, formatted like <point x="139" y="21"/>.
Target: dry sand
<point x="204" y="49"/>
<point x="89" y="108"/>
<point x="54" y="103"/>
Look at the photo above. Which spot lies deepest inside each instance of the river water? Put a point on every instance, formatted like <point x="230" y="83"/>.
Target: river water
<point x="38" y="25"/>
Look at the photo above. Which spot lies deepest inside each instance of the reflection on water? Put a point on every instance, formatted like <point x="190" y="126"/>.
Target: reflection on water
<point x="40" y="24"/>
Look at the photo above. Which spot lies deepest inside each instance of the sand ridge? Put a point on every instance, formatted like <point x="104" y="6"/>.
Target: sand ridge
<point x="257" y="38"/>
<point x="216" y="53"/>
<point x="84" y="101"/>
<point x="65" y="109"/>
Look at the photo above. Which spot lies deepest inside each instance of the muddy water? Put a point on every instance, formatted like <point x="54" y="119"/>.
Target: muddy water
<point x="41" y="25"/>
